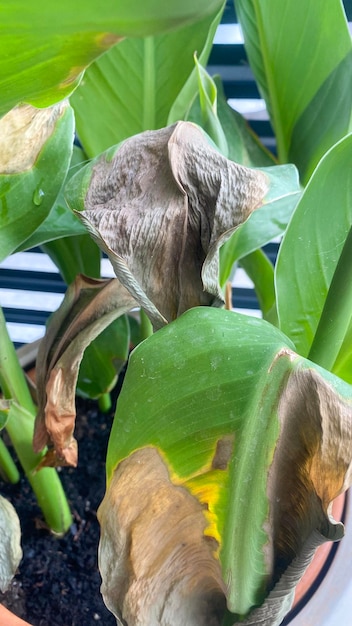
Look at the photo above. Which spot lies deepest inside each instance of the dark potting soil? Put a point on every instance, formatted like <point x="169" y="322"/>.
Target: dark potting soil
<point x="58" y="580"/>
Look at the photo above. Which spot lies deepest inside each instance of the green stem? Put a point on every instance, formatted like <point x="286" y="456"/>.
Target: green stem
<point x="261" y="271"/>
<point x="20" y="426"/>
<point x="104" y="402"/>
<point x="8" y="468"/>
<point x="146" y="325"/>
<point x="337" y="312"/>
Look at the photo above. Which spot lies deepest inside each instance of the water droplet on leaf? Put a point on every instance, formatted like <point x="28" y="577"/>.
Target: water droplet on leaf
<point x="38" y="196"/>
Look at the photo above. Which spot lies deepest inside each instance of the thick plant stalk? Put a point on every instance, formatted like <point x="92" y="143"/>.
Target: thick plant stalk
<point x="46" y="483"/>
<point x="8" y="468"/>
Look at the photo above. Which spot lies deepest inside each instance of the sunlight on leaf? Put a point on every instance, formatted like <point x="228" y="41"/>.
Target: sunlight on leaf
<point x="110" y="107"/>
<point x="45" y="46"/>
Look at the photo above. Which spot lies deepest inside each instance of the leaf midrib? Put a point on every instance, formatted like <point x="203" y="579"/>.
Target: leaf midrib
<point x="149" y="84"/>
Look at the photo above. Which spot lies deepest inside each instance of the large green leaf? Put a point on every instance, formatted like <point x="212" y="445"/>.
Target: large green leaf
<point x="36" y="148"/>
<point x="220" y="401"/>
<point x="202" y="411"/>
<point x="132" y="87"/>
<point x="313" y="272"/>
<point x="301" y="56"/>
<point x="45" y="46"/>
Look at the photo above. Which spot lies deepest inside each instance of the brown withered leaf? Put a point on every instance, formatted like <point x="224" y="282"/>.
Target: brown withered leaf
<point x="161" y="207"/>
<point x="157" y="565"/>
<point x="312" y="465"/>
<point x="89" y="306"/>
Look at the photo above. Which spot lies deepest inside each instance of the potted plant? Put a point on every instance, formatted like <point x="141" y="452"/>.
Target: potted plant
<point x="231" y="436"/>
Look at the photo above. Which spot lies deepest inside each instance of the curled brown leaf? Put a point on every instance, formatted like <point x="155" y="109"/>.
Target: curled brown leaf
<point x="157" y="566"/>
<point x="160" y="206"/>
<point x="312" y="462"/>
<point x="89" y="306"/>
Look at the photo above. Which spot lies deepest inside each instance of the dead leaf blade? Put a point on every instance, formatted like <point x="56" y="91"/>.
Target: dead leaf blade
<point x="89" y="306"/>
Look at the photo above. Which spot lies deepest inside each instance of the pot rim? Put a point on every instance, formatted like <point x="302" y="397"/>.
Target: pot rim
<point x="330" y="602"/>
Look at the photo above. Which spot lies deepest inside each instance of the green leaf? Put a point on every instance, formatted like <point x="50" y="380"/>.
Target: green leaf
<point x="325" y="120"/>
<point x="261" y="271"/>
<point x="36" y="152"/>
<point x="267" y="223"/>
<point x="4" y="412"/>
<point x="243" y="145"/>
<point x="74" y="255"/>
<point x="45" y="47"/>
<point x="299" y="73"/>
<point x="183" y="102"/>
<point x="8" y="468"/>
<point x="208" y="106"/>
<point x="104" y="359"/>
<point x="132" y="87"/>
<point x="223" y="408"/>
<point x="313" y="287"/>
<point x="61" y="221"/>
<point x="343" y="363"/>
<point x="202" y="411"/>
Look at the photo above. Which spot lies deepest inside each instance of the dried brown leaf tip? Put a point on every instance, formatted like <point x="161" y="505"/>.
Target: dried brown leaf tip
<point x="89" y="306"/>
<point x="157" y="565"/>
<point x="161" y="207"/>
<point x="23" y="133"/>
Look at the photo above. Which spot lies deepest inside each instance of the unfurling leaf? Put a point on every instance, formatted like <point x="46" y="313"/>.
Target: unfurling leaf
<point x="89" y="306"/>
<point x="160" y="205"/>
<point x="261" y="439"/>
<point x="10" y="546"/>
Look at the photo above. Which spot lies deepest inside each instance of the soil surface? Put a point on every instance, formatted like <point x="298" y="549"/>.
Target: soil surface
<point x="58" y="582"/>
